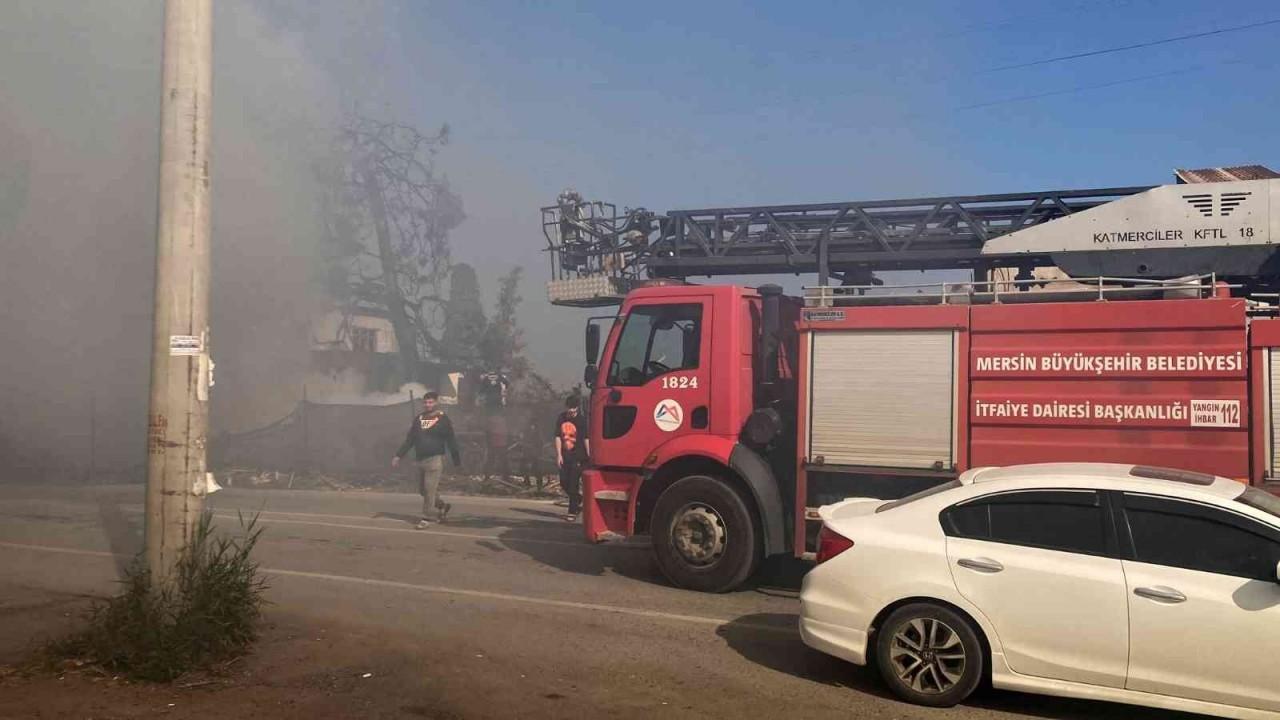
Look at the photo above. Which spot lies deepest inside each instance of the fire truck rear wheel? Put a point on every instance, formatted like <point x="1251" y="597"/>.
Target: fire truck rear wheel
<point x="705" y="535"/>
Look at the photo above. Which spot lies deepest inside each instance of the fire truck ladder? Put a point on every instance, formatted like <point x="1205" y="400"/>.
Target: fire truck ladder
<point x="598" y="254"/>
<point x="1218" y="221"/>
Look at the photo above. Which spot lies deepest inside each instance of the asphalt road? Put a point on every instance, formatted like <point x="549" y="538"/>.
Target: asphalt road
<point x="505" y="609"/>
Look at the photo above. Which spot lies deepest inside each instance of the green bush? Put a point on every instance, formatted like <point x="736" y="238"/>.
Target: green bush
<point x="209" y="613"/>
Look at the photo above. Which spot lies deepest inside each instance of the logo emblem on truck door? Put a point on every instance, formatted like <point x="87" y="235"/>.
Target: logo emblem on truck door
<point x="668" y="415"/>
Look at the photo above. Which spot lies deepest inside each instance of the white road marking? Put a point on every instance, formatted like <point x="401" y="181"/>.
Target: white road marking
<point x="461" y="499"/>
<point x="105" y="491"/>
<point x="455" y="592"/>
<point x="487" y="500"/>
<point x="345" y="516"/>
<point x="229" y="515"/>
<point x="439" y="533"/>
<point x="507" y="597"/>
<point x="394" y="517"/>
<point x="63" y="550"/>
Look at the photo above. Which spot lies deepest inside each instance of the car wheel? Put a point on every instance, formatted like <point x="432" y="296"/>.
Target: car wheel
<point x="929" y="655"/>
<point x="705" y="536"/>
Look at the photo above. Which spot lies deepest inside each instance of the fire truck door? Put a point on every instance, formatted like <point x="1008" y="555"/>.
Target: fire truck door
<point x="657" y="380"/>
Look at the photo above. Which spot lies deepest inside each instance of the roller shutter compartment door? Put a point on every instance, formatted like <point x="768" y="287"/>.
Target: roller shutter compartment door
<point x="1273" y="383"/>
<point x="883" y="398"/>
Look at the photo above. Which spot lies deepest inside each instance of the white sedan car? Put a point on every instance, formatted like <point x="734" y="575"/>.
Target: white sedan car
<point x="1111" y="582"/>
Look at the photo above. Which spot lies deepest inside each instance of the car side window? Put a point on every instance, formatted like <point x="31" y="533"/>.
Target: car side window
<point x="1066" y="520"/>
<point x="1188" y="535"/>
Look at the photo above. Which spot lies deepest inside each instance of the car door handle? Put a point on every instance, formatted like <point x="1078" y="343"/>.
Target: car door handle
<point x="1160" y="594"/>
<point x="981" y="564"/>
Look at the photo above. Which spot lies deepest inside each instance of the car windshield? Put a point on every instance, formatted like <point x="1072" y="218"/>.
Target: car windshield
<point x="920" y="495"/>
<point x="1262" y="500"/>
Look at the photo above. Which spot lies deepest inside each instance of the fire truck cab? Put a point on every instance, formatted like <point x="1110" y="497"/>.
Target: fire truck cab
<point x="672" y="449"/>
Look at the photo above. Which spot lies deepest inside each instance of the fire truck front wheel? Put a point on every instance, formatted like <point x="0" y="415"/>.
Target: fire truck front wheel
<point x="705" y="535"/>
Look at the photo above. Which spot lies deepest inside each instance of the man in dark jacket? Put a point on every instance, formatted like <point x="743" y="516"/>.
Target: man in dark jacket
<point x="430" y="436"/>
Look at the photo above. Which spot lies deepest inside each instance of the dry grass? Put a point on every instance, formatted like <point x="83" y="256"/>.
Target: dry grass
<point x="208" y="615"/>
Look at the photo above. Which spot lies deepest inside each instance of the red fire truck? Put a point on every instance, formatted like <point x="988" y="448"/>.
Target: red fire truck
<point x="723" y="416"/>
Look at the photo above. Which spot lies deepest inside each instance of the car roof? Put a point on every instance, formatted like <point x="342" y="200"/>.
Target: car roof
<point x="1178" y="482"/>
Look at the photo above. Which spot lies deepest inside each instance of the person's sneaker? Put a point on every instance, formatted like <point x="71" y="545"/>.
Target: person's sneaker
<point x="423" y="524"/>
<point x="571" y="517"/>
<point x="444" y="510"/>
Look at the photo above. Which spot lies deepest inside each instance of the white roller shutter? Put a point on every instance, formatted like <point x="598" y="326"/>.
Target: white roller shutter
<point x="882" y="398"/>
<point x="1273" y="426"/>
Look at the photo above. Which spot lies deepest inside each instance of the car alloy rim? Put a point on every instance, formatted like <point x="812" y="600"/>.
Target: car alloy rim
<point x="927" y="655"/>
<point x="699" y="534"/>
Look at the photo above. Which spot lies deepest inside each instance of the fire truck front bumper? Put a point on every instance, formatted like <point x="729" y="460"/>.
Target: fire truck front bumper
<point x="608" y="504"/>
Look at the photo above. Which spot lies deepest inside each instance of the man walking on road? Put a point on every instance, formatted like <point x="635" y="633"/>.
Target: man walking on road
<point x="571" y="454"/>
<point x="430" y="436"/>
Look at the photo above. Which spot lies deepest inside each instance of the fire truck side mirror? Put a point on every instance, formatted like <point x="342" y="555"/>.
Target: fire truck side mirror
<point x="589" y="375"/>
<point x="593" y="343"/>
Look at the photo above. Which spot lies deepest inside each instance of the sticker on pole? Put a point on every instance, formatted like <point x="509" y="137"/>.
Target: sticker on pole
<point x="668" y="415"/>
<point x="1215" y="413"/>
<point x="185" y="345"/>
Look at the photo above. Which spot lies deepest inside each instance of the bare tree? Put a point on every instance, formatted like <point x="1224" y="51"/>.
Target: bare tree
<point x="389" y="213"/>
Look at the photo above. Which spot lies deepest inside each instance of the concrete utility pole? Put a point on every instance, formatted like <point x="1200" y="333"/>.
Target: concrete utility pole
<point x="179" y="412"/>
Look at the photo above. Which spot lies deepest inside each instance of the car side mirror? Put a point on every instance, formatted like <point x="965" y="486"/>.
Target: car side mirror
<point x="593" y="343"/>
<point x="1277" y="578"/>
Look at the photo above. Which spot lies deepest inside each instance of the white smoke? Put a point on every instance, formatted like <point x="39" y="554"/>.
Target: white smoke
<point x="78" y="153"/>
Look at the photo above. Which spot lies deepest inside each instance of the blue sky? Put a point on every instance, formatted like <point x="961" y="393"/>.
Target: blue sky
<point x="678" y="105"/>
<point x="696" y="103"/>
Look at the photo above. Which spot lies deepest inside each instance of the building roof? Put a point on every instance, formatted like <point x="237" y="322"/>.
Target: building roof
<point x="1225" y="174"/>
